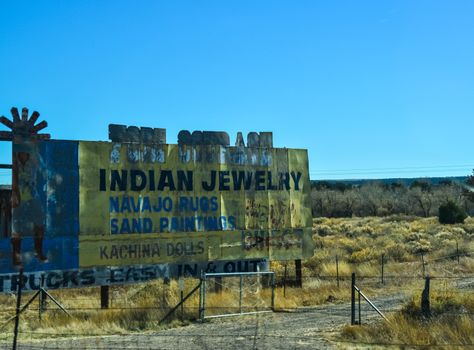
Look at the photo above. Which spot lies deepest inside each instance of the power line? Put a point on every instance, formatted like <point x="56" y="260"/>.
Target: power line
<point x="394" y="172"/>
<point x="405" y="169"/>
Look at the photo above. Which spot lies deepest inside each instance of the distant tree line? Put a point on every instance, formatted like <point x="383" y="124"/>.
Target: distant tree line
<point x="420" y="198"/>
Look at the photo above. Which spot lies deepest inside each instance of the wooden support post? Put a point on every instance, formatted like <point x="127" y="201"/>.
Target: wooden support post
<point x="299" y="277"/>
<point x="425" y="299"/>
<point x="18" y="304"/>
<point x="284" y="279"/>
<point x="337" y="271"/>
<point x="353" y="278"/>
<point x="42" y="298"/>
<point x="104" y="297"/>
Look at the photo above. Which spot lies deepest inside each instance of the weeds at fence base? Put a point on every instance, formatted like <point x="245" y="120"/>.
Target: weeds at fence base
<point x="451" y="324"/>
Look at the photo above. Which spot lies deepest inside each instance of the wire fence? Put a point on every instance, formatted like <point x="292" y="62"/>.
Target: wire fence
<point x="294" y="328"/>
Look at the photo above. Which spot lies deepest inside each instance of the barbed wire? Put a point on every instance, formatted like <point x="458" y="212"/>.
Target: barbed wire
<point x="255" y="338"/>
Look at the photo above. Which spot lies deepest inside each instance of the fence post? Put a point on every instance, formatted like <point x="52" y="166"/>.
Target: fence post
<point x="201" y="314"/>
<point x="284" y="279"/>
<point x="353" y="278"/>
<point x="337" y="271"/>
<point x="241" y="293"/>
<point x="42" y="298"/>
<point x="273" y="292"/>
<point x="457" y="250"/>
<point x="18" y="304"/>
<point x="104" y="297"/>
<point x="299" y="279"/>
<point x="204" y="282"/>
<point x="425" y="299"/>
<point x="383" y="261"/>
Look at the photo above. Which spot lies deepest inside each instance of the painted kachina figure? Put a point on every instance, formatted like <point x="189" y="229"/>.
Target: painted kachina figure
<point x="28" y="215"/>
<point x="28" y="218"/>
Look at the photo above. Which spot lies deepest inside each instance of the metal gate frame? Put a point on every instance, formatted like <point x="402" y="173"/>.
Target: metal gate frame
<point x="202" y="293"/>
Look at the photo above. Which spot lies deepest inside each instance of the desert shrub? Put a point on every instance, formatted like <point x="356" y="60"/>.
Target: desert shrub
<point x="363" y="255"/>
<point x="344" y="227"/>
<point x="400" y="218"/>
<point x="324" y="230"/>
<point x="397" y="252"/>
<point x="468" y="226"/>
<point x="443" y="235"/>
<point x="317" y="221"/>
<point x="420" y="246"/>
<point x="451" y="213"/>
<point x="365" y="229"/>
<point x="414" y="236"/>
<point x="458" y="231"/>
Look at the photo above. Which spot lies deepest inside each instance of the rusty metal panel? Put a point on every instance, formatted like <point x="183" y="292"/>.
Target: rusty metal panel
<point x="45" y="205"/>
<point x="5" y="212"/>
<point x="62" y="187"/>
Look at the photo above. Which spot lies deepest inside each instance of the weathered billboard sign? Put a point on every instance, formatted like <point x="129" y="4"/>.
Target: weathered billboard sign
<point x="137" y="201"/>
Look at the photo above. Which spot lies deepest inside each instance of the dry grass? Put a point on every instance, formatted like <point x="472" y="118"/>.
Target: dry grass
<point x="361" y="242"/>
<point x="358" y="243"/>
<point x="451" y="324"/>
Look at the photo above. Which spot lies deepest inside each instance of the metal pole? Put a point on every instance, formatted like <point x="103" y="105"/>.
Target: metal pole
<point x="273" y="292"/>
<point x="359" y="309"/>
<point x="337" y="270"/>
<point x="240" y="292"/>
<point x="353" y="298"/>
<point x="18" y="304"/>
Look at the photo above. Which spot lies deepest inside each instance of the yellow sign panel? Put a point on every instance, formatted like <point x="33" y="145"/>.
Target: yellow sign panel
<point x="133" y="249"/>
<point x="141" y="203"/>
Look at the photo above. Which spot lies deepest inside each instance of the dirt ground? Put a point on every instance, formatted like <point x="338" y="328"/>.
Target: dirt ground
<point x="305" y="328"/>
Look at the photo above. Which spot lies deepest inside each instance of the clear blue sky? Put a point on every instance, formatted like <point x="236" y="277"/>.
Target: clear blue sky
<point x="371" y="88"/>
